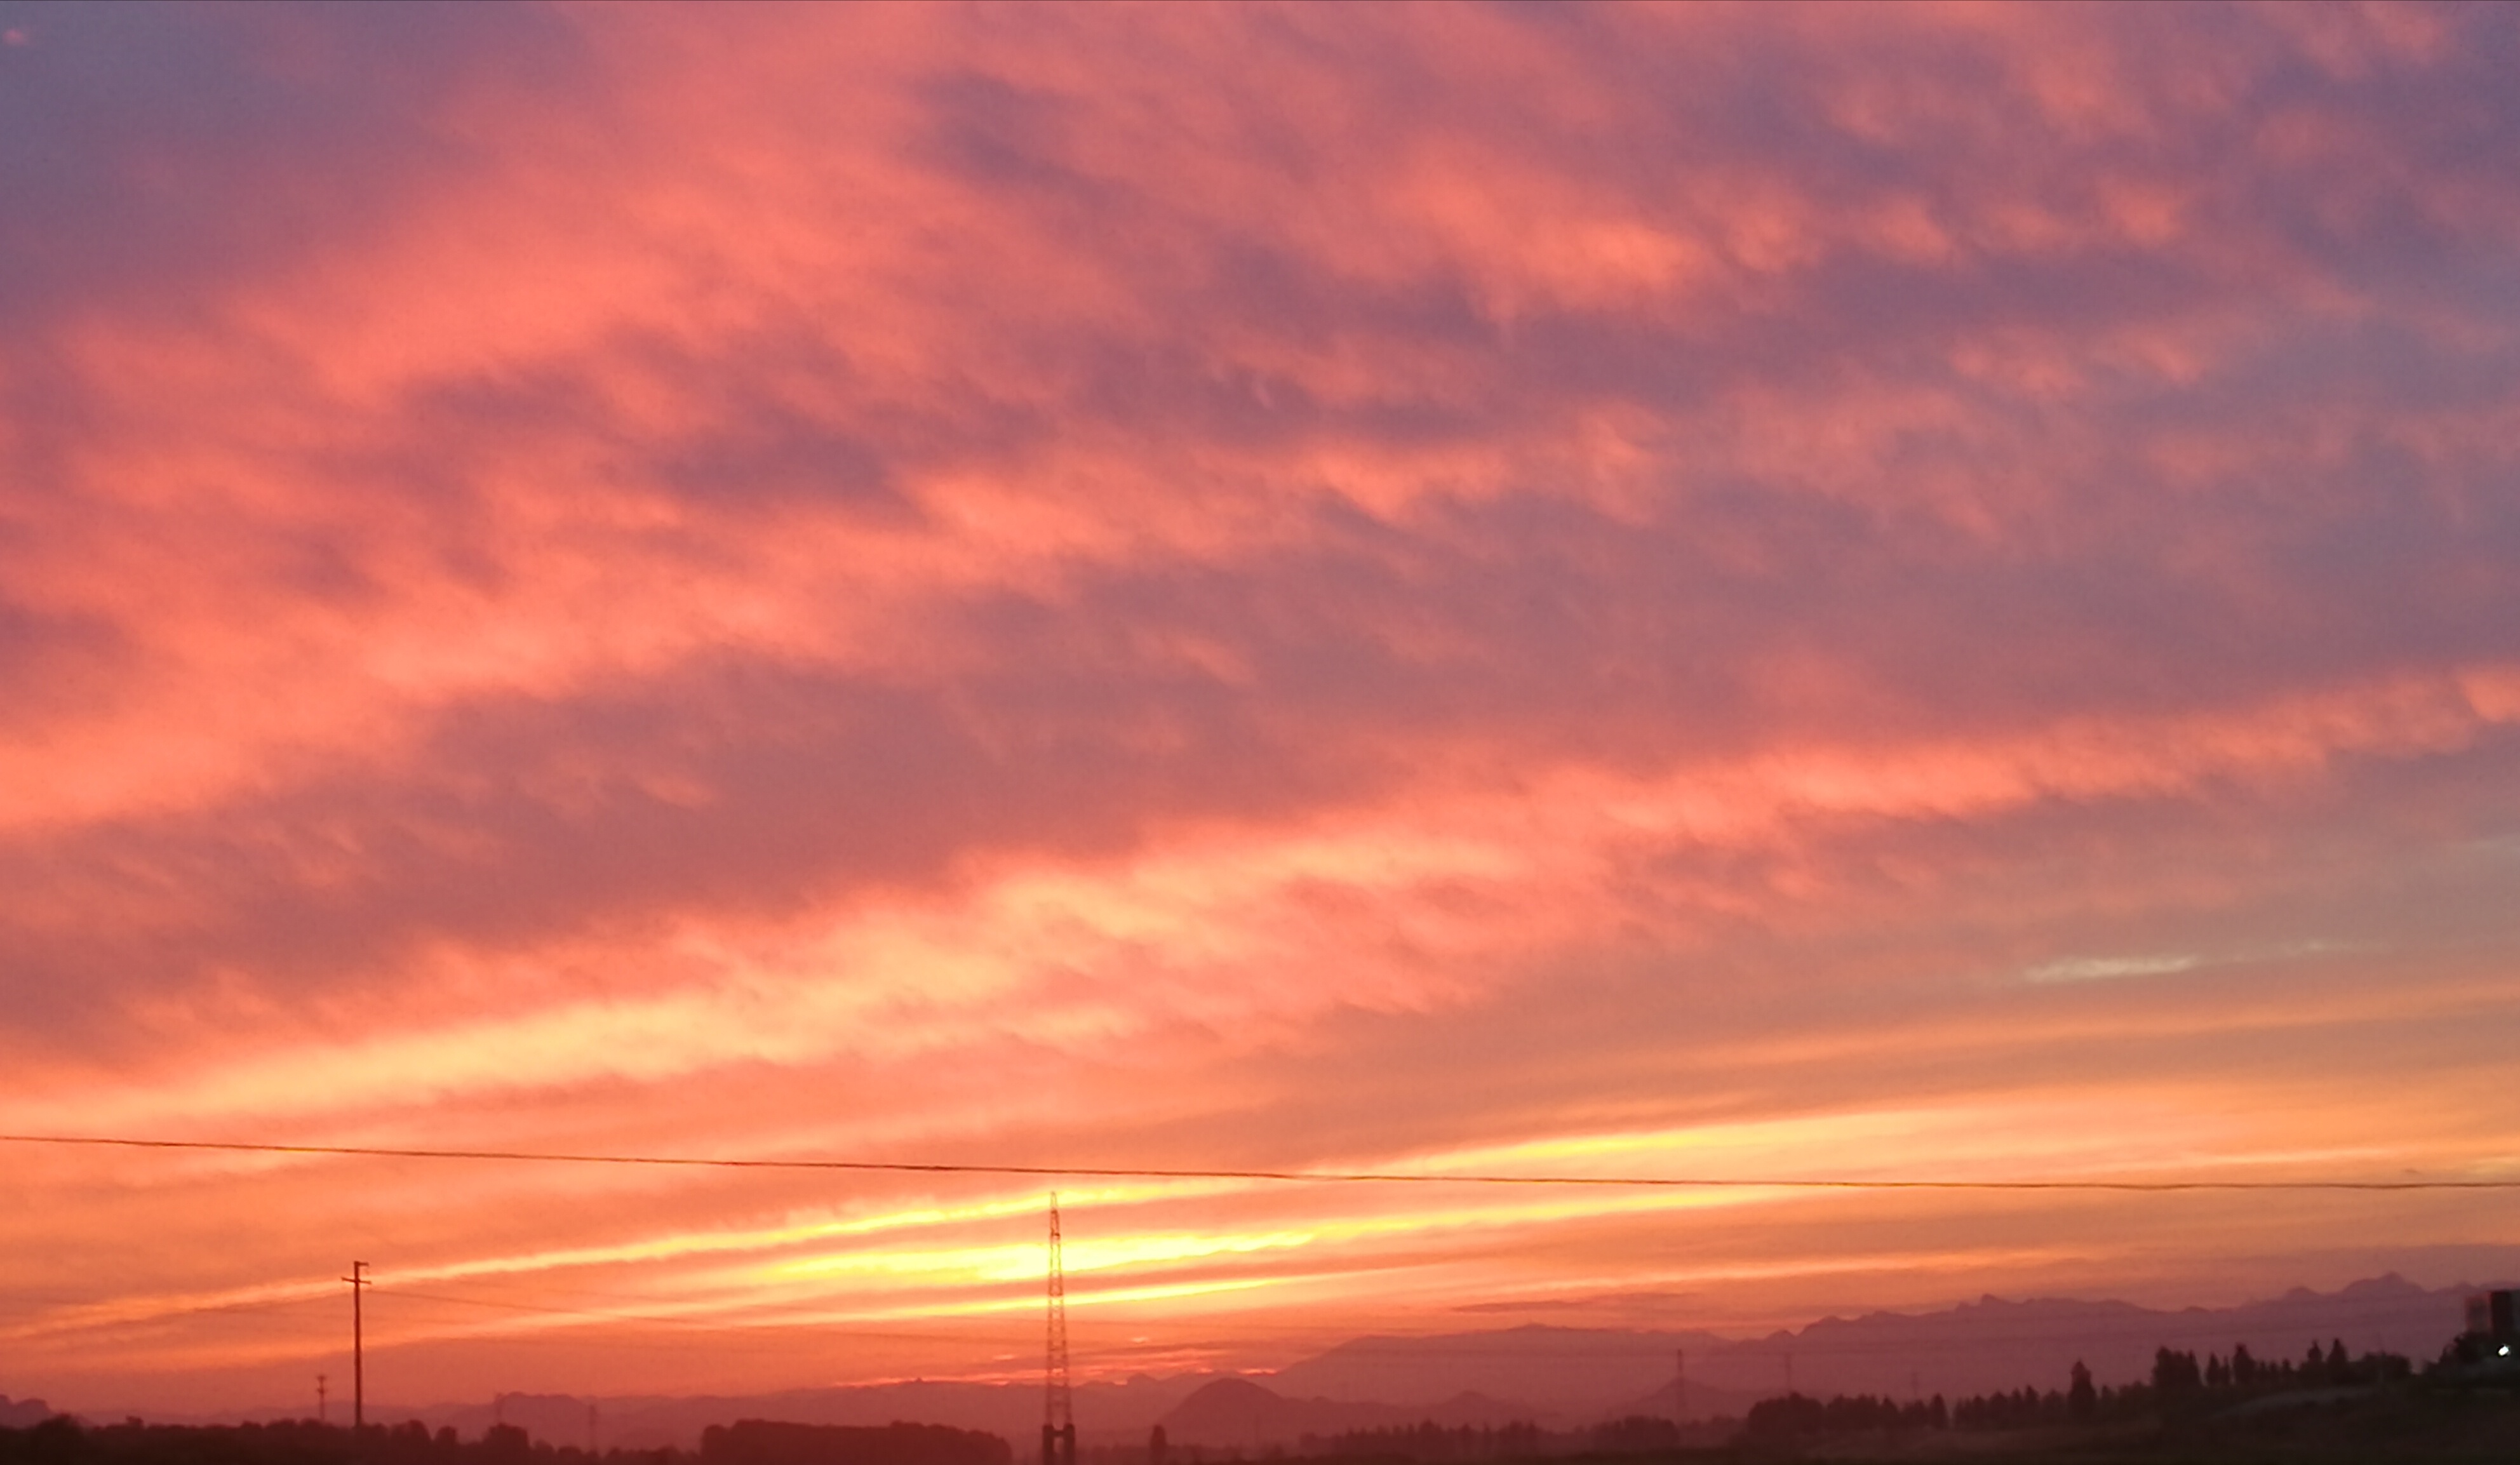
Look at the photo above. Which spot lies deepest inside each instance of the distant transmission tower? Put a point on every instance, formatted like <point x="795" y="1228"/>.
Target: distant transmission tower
<point x="1058" y="1407"/>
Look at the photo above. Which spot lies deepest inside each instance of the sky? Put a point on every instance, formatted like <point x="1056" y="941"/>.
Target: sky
<point x="1752" y="593"/>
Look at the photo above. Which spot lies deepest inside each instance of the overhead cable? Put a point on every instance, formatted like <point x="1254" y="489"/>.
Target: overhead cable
<point x="1303" y="1177"/>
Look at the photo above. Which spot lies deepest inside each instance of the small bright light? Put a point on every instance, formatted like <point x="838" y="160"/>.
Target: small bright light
<point x="2504" y="1352"/>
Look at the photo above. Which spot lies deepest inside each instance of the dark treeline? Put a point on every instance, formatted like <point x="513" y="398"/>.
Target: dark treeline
<point x="304" y="1441"/>
<point x="1799" y="1416"/>
<point x="762" y="1441"/>
<point x="1431" y="1443"/>
<point x="1434" y="1443"/>
<point x="2181" y="1388"/>
<point x="62" y="1441"/>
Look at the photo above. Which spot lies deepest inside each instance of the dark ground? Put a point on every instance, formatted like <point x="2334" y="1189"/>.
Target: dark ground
<point x="2382" y="1426"/>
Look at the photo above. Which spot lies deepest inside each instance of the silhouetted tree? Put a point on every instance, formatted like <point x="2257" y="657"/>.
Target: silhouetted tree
<point x="2081" y="1400"/>
<point x="1636" y="1435"/>
<point x="1791" y="1417"/>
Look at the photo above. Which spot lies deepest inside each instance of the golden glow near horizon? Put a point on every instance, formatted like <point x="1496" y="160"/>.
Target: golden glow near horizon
<point x="1386" y="589"/>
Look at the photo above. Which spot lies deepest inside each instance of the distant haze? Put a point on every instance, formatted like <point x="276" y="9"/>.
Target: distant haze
<point x="1560" y="1378"/>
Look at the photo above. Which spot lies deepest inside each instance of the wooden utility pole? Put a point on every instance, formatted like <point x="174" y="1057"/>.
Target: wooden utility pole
<point x="359" y="1284"/>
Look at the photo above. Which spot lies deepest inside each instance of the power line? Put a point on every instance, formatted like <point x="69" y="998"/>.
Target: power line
<point x="1308" y="1176"/>
<point x="724" y="1337"/>
<point x="695" y="1324"/>
<point x="57" y="1300"/>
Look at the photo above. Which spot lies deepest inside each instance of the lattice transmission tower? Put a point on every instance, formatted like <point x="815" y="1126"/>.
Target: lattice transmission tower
<point x="1057" y="1405"/>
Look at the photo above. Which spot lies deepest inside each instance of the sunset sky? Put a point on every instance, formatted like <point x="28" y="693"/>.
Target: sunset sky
<point x="1770" y="592"/>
